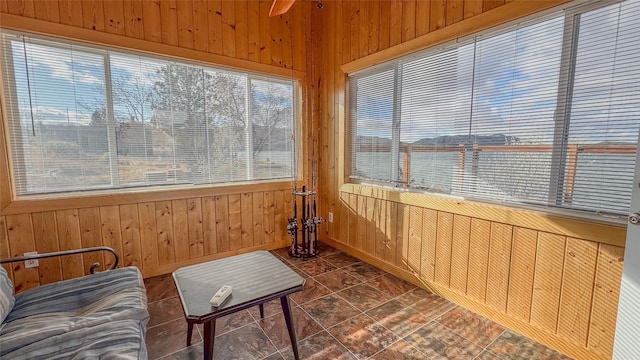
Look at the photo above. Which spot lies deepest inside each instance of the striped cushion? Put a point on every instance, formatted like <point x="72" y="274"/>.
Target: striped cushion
<point x="71" y="306"/>
<point x="6" y="295"/>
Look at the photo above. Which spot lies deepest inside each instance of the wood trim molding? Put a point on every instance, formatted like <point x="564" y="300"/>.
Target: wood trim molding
<point x="503" y="14"/>
<point x="481" y="309"/>
<point x="19" y="23"/>
<point x="588" y="229"/>
<point x="137" y="196"/>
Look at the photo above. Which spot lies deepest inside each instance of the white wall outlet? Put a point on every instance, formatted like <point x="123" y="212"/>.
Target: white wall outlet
<point x="31" y="263"/>
<point x="330" y="217"/>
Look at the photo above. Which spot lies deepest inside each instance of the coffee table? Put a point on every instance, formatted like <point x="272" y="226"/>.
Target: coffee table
<point x="256" y="278"/>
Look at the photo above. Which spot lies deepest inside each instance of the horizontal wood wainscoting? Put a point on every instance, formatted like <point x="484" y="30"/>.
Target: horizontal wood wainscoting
<point x="156" y="236"/>
<point x="557" y="288"/>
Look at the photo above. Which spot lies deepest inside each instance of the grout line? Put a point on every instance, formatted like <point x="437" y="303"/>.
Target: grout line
<point x="166" y="322"/>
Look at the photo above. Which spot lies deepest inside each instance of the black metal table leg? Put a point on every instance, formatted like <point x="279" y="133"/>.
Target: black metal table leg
<point x="261" y="307"/>
<point x="209" y="337"/>
<point x="288" y="318"/>
<point x="189" y="332"/>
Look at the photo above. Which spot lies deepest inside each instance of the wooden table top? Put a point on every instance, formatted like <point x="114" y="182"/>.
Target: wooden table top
<point x="253" y="276"/>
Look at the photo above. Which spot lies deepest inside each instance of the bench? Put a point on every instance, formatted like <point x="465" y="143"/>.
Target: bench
<point x="102" y="315"/>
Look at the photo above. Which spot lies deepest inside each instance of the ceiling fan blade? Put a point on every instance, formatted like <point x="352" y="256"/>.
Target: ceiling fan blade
<point x="279" y="7"/>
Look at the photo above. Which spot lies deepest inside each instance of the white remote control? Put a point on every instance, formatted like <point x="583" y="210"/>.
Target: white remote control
<point x="221" y="295"/>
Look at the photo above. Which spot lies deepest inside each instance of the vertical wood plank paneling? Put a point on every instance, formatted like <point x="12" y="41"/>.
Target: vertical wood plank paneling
<point x="443" y="248"/>
<point x="242" y="29"/>
<point x="523" y="263"/>
<point x="275" y="30"/>
<point x="253" y="29"/>
<point x="214" y="17"/>
<point x="408" y="20"/>
<point x="93" y="15"/>
<point x="353" y="220"/>
<point x="48" y="11"/>
<point x="169" y="21"/>
<point x="148" y="234"/>
<point x="384" y="31"/>
<point x="577" y="290"/>
<point x="472" y="8"/>
<point x="4" y="246"/>
<point x="455" y="11"/>
<point x="343" y="219"/>
<point x="265" y="32"/>
<point x="460" y="252"/>
<point x="69" y="238"/>
<point x="429" y="244"/>
<point x="133" y="14"/>
<point x="110" y="231"/>
<point x="391" y="227"/>
<point x="287" y="41"/>
<point x="363" y="27"/>
<point x="222" y="223"/>
<point x="114" y="17"/>
<point x="423" y="17"/>
<point x="605" y="294"/>
<point x="268" y="217"/>
<point x="299" y="35"/>
<point x="21" y="7"/>
<point x="258" y="218"/>
<point x="395" y="23"/>
<point x="478" y="259"/>
<point x="91" y="236"/>
<point x="354" y="32"/>
<point x="228" y="28"/>
<point x="209" y="225"/>
<point x="402" y="236"/>
<point x="370" y="244"/>
<point x="235" y="221"/>
<point x="130" y="229"/>
<point x="381" y="223"/>
<point x="498" y="269"/>
<point x="46" y="232"/>
<point x="180" y="229"/>
<point x="164" y="222"/>
<point x="279" y="215"/>
<point x="414" y="252"/>
<point x="247" y="219"/>
<point x="438" y="15"/>
<point x="21" y="240"/>
<point x="184" y="13"/>
<point x="71" y="12"/>
<point x="374" y="26"/>
<point x="548" y="280"/>
<point x="491" y="4"/>
<point x="361" y="238"/>
<point x="196" y="231"/>
<point x="200" y="25"/>
<point x="152" y="24"/>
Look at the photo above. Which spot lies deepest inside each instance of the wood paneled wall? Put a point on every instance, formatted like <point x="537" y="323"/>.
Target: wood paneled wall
<point x="543" y="281"/>
<point x="157" y="234"/>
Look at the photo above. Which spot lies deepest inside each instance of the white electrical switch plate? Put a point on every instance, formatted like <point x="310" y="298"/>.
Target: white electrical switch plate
<point x="330" y="217"/>
<point x="31" y="263"/>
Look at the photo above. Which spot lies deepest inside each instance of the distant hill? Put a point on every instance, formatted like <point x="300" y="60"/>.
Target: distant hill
<point x="496" y="139"/>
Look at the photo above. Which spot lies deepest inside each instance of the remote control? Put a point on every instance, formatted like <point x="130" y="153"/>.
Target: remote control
<point x="221" y="295"/>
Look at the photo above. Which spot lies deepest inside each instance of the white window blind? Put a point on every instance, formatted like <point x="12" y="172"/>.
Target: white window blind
<point x="83" y="118"/>
<point x="545" y="112"/>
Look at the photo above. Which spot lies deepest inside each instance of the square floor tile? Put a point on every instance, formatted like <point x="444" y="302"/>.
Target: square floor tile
<point x="517" y="347"/>
<point x="398" y="318"/>
<point x="363" y="296"/>
<point x="245" y="343"/>
<point x="160" y="287"/>
<point x="312" y="290"/>
<point x="471" y="326"/>
<point x="270" y="308"/>
<point x="391" y="285"/>
<point x="433" y="306"/>
<point x="438" y="342"/>
<point x="315" y="266"/>
<point x="487" y="355"/>
<point x="330" y="310"/>
<point x="364" y="271"/>
<point x="337" y="280"/>
<point x="276" y="329"/>
<point x="401" y="350"/>
<point x="321" y="346"/>
<point x="165" y="310"/>
<point x="325" y="250"/>
<point x="363" y="336"/>
<point x="414" y="296"/>
<point x="341" y="259"/>
<point x="168" y="338"/>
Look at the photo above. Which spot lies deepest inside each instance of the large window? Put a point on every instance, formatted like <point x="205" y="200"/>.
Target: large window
<point x="84" y="118"/>
<point x="545" y="112"/>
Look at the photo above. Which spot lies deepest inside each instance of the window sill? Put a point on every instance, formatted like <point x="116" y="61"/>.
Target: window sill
<point x="565" y="222"/>
<point x="129" y="196"/>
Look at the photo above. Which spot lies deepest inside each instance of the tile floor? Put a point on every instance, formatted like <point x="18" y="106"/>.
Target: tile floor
<point x="348" y="310"/>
